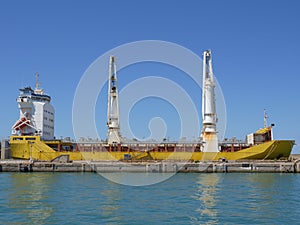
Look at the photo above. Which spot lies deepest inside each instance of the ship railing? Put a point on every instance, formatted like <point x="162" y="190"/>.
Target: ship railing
<point x="232" y="142"/>
<point x="140" y="143"/>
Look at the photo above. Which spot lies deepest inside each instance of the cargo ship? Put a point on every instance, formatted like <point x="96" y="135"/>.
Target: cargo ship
<point x="33" y="133"/>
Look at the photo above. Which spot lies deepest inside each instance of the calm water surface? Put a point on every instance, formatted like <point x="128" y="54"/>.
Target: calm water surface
<point x="87" y="198"/>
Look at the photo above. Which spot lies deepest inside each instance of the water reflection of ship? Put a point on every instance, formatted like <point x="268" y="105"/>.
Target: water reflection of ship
<point x="207" y="195"/>
<point x="111" y="197"/>
<point x="33" y="188"/>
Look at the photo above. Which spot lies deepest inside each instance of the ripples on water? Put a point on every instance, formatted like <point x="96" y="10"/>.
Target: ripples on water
<point x="87" y="198"/>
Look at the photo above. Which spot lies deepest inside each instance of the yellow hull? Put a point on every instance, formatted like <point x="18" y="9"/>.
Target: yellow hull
<point x="26" y="147"/>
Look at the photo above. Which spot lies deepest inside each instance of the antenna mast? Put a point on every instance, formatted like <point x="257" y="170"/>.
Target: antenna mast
<point x="265" y="118"/>
<point x="113" y="114"/>
<point x="37" y="84"/>
<point x="37" y="81"/>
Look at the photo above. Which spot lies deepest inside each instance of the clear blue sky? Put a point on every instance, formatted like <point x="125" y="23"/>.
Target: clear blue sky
<point x="255" y="47"/>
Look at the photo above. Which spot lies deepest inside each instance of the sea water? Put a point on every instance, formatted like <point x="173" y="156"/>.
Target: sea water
<point x="88" y="198"/>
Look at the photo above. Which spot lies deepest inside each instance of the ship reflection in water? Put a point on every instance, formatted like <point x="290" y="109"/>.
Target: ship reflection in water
<point x="28" y="197"/>
<point x="207" y="195"/>
<point x="87" y="198"/>
<point x="110" y="206"/>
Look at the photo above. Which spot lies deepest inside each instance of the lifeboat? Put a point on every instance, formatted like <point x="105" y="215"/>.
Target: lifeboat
<point x="21" y="123"/>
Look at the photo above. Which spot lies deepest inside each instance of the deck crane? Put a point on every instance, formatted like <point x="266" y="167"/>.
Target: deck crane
<point x="113" y="114"/>
<point x="209" y="115"/>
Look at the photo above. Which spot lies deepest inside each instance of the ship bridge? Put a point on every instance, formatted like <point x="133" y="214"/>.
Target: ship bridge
<point x="28" y="93"/>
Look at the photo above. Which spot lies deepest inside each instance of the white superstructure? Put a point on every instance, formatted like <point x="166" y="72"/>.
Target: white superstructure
<point x="209" y="115"/>
<point x="36" y="113"/>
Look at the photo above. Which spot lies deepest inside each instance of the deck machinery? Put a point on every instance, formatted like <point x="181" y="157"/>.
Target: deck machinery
<point x="209" y="132"/>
